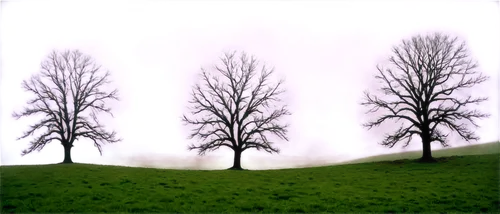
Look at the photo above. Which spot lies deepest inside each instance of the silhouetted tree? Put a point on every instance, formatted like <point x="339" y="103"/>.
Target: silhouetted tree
<point x="69" y="92"/>
<point x="421" y="89"/>
<point x="235" y="108"/>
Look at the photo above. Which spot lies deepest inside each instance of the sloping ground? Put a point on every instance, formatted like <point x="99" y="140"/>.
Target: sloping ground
<point x="466" y="184"/>
<point x="476" y="149"/>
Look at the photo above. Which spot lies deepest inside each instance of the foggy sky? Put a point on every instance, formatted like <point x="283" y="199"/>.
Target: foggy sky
<point x="326" y="50"/>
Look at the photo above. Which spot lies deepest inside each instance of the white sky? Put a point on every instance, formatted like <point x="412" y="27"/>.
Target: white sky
<point x="327" y="50"/>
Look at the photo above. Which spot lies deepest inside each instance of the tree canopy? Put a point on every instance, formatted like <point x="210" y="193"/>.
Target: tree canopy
<point x="423" y="88"/>
<point x="70" y="92"/>
<point x="235" y="106"/>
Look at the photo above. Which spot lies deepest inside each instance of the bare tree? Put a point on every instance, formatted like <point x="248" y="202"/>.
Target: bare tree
<point x="69" y="93"/>
<point x="423" y="88"/>
<point x="235" y="106"/>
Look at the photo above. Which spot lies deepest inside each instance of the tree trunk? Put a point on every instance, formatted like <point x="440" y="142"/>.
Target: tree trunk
<point x="237" y="160"/>
<point x="426" y="150"/>
<point x="67" y="154"/>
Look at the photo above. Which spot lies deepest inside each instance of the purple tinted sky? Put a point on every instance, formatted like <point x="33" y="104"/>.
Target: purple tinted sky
<point x="327" y="50"/>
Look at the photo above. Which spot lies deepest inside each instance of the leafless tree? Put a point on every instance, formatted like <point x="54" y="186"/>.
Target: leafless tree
<point x="423" y="88"/>
<point x="235" y="107"/>
<point x="69" y="93"/>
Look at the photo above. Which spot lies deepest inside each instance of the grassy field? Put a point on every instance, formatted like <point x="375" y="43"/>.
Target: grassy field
<point x="455" y="184"/>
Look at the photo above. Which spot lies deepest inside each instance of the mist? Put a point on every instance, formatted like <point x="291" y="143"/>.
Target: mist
<point x="327" y="51"/>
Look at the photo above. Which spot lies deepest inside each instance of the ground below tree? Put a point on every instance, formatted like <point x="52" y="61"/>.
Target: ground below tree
<point x="454" y="184"/>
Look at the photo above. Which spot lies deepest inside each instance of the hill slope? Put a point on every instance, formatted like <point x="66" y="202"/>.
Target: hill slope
<point x="476" y="149"/>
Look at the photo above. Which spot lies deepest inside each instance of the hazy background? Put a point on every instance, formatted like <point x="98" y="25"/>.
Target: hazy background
<point x="327" y="50"/>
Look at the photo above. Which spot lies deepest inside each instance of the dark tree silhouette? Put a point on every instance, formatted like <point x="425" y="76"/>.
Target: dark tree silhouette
<point x="69" y="92"/>
<point x="235" y="108"/>
<point x="423" y="88"/>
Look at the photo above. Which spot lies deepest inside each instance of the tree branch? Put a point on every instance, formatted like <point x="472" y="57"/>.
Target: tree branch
<point x="420" y="87"/>
<point x="67" y="88"/>
<point x="235" y="107"/>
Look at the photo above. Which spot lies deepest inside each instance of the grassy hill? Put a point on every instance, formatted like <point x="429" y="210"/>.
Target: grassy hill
<point x="475" y="149"/>
<point x="454" y="184"/>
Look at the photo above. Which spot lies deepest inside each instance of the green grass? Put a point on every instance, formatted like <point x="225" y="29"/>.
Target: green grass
<point x="455" y="184"/>
<point x="475" y="149"/>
